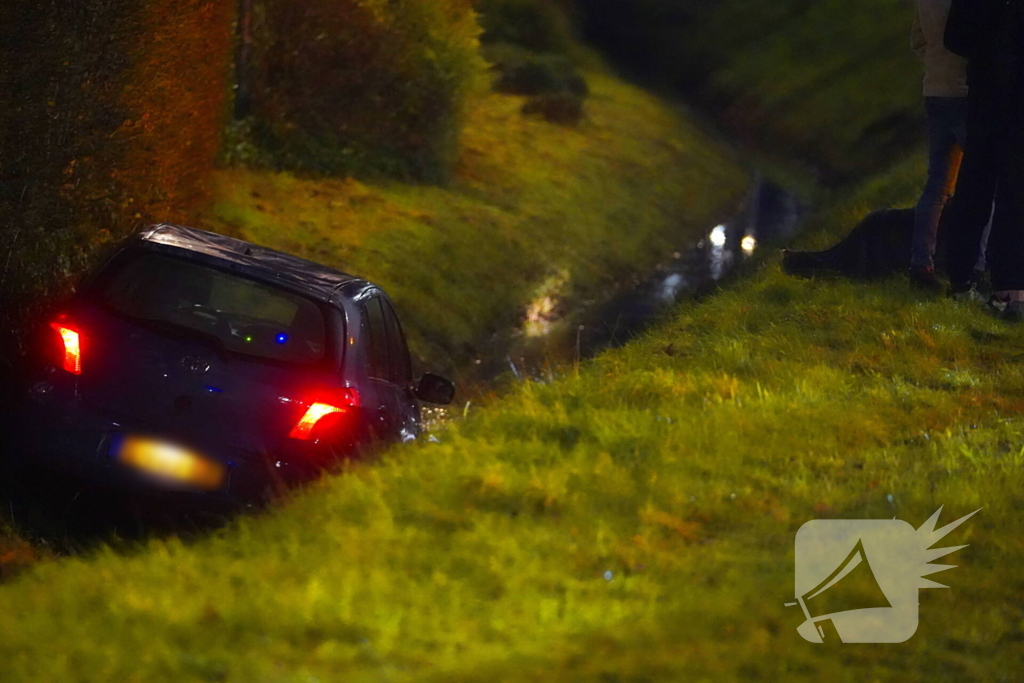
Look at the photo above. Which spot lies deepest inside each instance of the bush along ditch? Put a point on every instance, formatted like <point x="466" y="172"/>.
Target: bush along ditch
<point x="110" y="117"/>
<point x="374" y="88"/>
<point x="530" y="48"/>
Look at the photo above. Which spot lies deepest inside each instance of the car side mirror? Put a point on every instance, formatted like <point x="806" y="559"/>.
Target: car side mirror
<point x="435" y="389"/>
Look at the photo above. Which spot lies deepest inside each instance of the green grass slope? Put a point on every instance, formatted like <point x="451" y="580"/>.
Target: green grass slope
<point x="838" y="82"/>
<point x="529" y="201"/>
<point x="832" y="82"/>
<point x="631" y="522"/>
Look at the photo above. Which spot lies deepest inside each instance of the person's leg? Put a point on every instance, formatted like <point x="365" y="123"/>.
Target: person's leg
<point x="971" y="207"/>
<point x="946" y="121"/>
<point x="982" y="265"/>
<point x="1006" y="241"/>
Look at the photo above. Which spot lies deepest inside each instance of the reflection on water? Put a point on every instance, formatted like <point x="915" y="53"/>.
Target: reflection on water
<point x="720" y="258"/>
<point x="719" y="237"/>
<point x="720" y="261"/>
<point x="770" y="215"/>
<point x="551" y="336"/>
<point x="543" y="311"/>
<point x="671" y="286"/>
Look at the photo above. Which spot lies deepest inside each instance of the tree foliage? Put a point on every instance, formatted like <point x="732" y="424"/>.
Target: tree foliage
<point x="365" y="86"/>
<point x="110" y="117"/>
<point x="537" y="25"/>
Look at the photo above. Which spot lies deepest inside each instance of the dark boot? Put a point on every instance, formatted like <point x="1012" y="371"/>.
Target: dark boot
<point x="925" y="279"/>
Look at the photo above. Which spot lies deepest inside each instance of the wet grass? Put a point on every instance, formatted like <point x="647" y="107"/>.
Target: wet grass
<point x="833" y="82"/>
<point x="634" y="521"/>
<point x="17" y="554"/>
<point x="530" y="201"/>
<point x="828" y="82"/>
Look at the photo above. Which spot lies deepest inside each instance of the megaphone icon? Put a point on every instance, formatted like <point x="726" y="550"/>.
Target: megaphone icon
<point x="860" y="601"/>
<point x="852" y="586"/>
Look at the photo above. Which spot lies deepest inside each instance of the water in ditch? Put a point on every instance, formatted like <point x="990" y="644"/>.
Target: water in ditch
<point x="552" y="339"/>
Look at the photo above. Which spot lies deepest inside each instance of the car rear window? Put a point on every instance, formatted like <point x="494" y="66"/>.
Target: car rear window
<point x="244" y="315"/>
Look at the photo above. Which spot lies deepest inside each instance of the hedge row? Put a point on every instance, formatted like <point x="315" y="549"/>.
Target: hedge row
<point x="110" y="117"/>
<point x="364" y="86"/>
<point x="112" y="112"/>
<point x="542" y="26"/>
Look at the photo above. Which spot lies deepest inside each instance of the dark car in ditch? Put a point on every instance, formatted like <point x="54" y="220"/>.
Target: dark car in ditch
<point x="196" y="362"/>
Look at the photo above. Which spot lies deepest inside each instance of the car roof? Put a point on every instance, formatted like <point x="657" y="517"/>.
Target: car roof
<point x="305" y="276"/>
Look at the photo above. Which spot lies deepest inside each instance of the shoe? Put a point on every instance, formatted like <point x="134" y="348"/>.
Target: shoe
<point x="925" y="279"/>
<point x="997" y="306"/>
<point x="983" y="282"/>
<point x="966" y="294"/>
<point x="1008" y="307"/>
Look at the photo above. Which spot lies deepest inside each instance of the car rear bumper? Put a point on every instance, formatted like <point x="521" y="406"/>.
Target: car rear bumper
<point x="82" y="443"/>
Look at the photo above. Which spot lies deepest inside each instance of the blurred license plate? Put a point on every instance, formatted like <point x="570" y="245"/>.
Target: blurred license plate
<point x="170" y="463"/>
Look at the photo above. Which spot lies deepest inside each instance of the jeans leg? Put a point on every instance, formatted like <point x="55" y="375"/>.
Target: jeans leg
<point x="946" y="122"/>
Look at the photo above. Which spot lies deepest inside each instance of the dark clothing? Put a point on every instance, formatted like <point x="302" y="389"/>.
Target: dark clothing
<point x="971" y="208"/>
<point x="1006" y="243"/>
<point x="947" y="133"/>
<point x="990" y="33"/>
<point x="875" y="249"/>
<point x="969" y="29"/>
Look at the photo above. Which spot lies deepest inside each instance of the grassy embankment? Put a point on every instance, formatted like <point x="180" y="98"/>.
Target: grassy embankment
<point x="833" y="84"/>
<point x="826" y="82"/>
<point x="530" y="202"/>
<point x="634" y="522"/>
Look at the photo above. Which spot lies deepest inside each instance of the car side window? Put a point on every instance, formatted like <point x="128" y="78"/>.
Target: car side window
<point x="377" y="351"/>
<point x="399" y="349"/>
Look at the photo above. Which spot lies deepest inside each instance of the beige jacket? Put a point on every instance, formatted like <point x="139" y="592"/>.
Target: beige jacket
<point x="945" y="74"/>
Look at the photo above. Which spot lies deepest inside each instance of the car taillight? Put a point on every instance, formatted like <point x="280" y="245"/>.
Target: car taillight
<point x="71" y="340"/>
<point x="345" y="402"/>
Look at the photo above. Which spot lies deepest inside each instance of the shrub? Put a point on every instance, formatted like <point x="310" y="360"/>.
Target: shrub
<point x="528" y="42"/>
<point x="365" y="86"/>
<point x="562" y="108"/>
<point x="110" y="117"/>
<point x="538" y="25"/>
<point x="177" y="97"/>
<point x="526" y="73"/>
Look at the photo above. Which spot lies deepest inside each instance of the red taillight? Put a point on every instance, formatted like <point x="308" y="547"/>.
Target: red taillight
<point x="72" y="343"/>
<point x="341" y="404"/>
